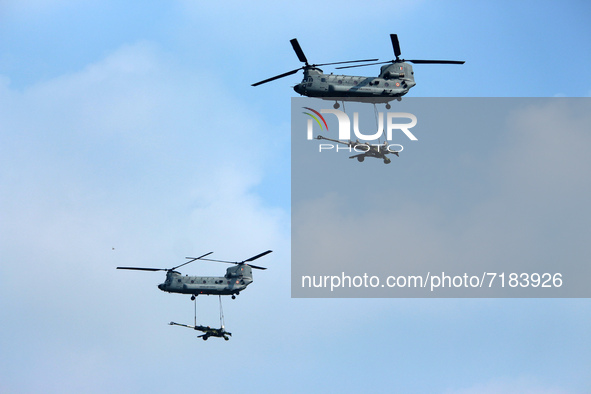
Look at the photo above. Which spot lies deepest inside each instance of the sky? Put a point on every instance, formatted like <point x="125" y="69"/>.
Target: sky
<point x="130" y="136"/>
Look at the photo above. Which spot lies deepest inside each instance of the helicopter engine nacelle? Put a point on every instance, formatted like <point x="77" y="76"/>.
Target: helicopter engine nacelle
<point x="391" y="75"/>
<point x="399" y="70"/>
<point x="239" y="271"/>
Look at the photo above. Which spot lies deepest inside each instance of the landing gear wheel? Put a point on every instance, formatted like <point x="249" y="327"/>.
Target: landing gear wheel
<point x="360" y="158"/>
<point x="387" y="160"/>
<point x="399" y="98"/>
<point x="204" y="338"/>
<point x="336" y="105"/>
<point x="388" y="106"/>
<point x="233" y="297"/>
<point x="192" y="298"/>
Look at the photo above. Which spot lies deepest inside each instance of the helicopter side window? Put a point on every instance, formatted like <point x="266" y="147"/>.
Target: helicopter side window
<point x="322" y="79"/>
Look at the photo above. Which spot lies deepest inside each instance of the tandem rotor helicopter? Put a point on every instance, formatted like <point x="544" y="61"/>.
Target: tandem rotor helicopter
<point x="237" y="278"/>
<point x="394" y="81"/>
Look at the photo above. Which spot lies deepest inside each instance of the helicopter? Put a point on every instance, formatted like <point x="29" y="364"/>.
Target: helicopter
<point x="394" y="81"/>
<point x="237" y="278"/>
<point x="369" y="150"/>
<point x="208" y="331"/>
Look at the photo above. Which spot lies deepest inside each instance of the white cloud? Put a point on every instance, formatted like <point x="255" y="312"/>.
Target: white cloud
<point x="132" y="153"/>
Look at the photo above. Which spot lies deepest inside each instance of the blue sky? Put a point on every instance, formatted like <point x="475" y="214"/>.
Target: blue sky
<point x="130" y="135"/>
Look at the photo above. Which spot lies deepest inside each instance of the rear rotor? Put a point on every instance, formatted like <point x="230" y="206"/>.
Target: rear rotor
<point x="164" y="269"/>
<point x="397" y="53"/>
<point x="241" y="262"/>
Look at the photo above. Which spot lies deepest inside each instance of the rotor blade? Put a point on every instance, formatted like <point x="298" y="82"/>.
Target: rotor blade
<point x="234" y="262"/>
<point x="257" y="256"/>
<point x="395" y="44"/>
<point x="142" y="269"/>
<point x="222" y="261"/>
<point x="257" y="267"/>
<point x="190" y="261"/>
<point x="348" y="61"/>
<point x="242" y="262"/>
<point x="436" y="61"/>
<point x="363" y="65"/>
<point x="277" y="77"/>
<point x="298" y="50"/>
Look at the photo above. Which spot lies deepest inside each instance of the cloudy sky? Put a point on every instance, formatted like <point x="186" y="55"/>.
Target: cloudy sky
<point x="130" y="135"/>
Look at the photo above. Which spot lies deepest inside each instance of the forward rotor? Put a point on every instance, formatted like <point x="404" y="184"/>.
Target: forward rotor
<point x="300" y="54"/>
<point x="164" y="269"/>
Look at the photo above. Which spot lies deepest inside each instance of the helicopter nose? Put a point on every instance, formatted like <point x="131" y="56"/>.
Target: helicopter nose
<point x="297" y="88"/>
<point x="161" y="286"/>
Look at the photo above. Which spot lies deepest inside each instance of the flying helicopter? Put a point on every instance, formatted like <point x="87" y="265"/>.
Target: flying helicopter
<point x="394" y="81"/>
<point x="235" y="280"/>
<point x="368" y="150"/>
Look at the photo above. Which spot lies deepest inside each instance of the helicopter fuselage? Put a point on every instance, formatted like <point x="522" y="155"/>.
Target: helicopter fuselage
<point x="395" y="80"/>
<point x="237" y="278"/>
